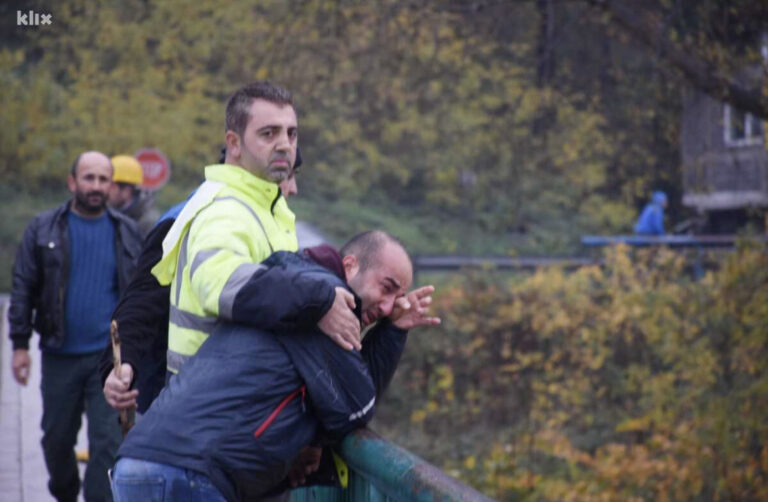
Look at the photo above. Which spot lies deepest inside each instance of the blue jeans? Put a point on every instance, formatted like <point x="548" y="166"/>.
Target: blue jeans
<point x="144" y="481"/>
<point x="69" y="386"/>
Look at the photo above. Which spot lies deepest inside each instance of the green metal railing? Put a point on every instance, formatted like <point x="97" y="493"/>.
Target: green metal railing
<point x="382" y="471"/>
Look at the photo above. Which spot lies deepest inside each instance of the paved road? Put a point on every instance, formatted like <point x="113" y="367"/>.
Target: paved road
<point x="23" y="476"/>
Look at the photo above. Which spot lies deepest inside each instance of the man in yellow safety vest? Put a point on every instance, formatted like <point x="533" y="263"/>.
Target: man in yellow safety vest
<point x="235" y="220"/>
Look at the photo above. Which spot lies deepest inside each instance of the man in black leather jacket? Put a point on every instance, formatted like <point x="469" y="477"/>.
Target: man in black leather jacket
<point x="72" y="264"/>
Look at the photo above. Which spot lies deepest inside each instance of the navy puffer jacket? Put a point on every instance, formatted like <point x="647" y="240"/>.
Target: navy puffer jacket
<point x="250" y="399"/>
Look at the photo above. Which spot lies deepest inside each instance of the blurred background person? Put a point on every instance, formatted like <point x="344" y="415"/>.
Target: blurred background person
<point x="651" y="220"/>
<point x="127" y="196"/>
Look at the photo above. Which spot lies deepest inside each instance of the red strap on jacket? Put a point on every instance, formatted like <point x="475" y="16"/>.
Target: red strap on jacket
<point x="272" y="416"/>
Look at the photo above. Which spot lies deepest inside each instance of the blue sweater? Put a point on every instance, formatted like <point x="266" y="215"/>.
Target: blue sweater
<point x="92" y="289"/>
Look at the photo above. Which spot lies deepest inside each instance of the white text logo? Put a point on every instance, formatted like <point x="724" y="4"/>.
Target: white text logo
<point x="32" y="18"/>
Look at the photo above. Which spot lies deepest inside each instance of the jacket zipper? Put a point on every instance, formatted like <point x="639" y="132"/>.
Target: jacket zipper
<point x="272" y="416"/>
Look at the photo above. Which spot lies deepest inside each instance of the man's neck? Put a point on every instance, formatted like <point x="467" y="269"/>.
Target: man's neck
<point x="232" y="162"/>
<point x="84" y="213"/>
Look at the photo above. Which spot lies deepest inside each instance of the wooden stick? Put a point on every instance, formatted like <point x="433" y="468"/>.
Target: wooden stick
<point x="125" y="423"/>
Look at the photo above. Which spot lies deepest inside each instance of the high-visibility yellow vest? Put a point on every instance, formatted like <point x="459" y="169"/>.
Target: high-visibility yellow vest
<point x="233" y="222"/>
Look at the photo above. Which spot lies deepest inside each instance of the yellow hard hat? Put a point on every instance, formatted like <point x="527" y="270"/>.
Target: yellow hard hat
<point x="127" y="170"/>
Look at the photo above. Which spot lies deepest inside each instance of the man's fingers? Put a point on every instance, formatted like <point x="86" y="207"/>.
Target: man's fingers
<point x="116" y="390"/>
<point x="351" y="340"/>
<point x="123" y="402"/>
<point x="351" y="329"/>
<point x="347" y="296"/>
<point x="126" y="374"/>
<point x="341" y="341"/>
<point x="21" y="375"/>
<point x="424" y="291"/>
<point x="120" y="405"/>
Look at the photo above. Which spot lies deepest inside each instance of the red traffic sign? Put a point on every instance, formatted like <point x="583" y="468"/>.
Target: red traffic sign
<point x="156" y="168"/>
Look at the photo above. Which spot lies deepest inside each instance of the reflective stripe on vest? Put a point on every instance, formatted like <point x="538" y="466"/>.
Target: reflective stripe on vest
<point x="235" y="283"/>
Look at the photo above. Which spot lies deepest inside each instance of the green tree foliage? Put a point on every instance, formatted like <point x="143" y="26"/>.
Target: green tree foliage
<point x="425" y="107"/>
<point x="628" y="382"/>
<point x="715" y="45"/>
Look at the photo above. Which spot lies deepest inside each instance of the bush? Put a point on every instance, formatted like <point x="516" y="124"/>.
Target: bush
<point x="626" y="382"/>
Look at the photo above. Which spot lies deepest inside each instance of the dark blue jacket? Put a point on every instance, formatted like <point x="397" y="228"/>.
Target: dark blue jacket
<point x="214" y="416"/>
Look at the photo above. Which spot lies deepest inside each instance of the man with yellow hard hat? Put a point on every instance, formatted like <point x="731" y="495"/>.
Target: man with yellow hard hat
<point x="126" y="194"/>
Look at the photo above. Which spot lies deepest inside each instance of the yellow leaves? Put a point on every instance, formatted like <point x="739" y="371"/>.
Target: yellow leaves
<point x="475" y="344"/>
<point x="510" y="368"/>
<point x="445" y="378"/>
<point x="418" y="416"/>
<point x="620" y="372"/>
<point x="634" y="424"/>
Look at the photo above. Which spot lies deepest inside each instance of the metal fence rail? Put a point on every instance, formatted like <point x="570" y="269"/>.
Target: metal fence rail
<point x="456" y="262"/>
<point x="381" y="471"/>
<point x="684" y="241"/>
<point x="441" y="263"/>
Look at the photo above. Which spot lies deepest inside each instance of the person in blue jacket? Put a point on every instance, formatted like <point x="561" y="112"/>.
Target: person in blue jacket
<point x="228" y="426"/>
<point x="651" y="220"/>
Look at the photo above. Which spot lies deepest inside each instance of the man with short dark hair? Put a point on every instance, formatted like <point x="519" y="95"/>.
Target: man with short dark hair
<point x="70" y="268"/>
<point x="239" y="411"/>
<point x="142" y="317"/>
<point x="235" y="219"/>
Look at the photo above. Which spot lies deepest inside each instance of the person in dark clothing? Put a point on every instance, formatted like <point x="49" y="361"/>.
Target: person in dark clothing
<point x="240" y="410"/>
<point x="127" y="196"/>
<point x="142" y="318"/>
<point x="72" y="264"/>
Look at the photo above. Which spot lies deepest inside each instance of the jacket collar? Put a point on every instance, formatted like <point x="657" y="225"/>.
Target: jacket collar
<point x="239" y="179"/>
<point x="67" y="207"/>
<point x="328" y="257"/>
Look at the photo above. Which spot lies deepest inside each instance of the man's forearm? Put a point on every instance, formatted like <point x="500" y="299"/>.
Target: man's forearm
<point x="280" y="297"/>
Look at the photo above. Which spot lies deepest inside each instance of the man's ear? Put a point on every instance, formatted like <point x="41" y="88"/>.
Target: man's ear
<point x="233" y="142"/>
<point x="351" y="266"/>
<point x="71" y="183"/>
